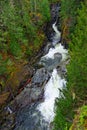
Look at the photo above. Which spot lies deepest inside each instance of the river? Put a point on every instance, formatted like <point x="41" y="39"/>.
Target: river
<point x="47" y="81"/>
<point x="55" y="83"/>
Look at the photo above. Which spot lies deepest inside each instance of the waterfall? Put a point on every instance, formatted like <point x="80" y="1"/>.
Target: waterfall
<point x="57" y="35"/>
<point x="58" y="49"/>
<point x="51" y="91"/>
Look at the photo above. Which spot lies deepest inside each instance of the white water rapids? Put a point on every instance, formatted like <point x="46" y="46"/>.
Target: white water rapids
<point x="57" y="36"/>
<point x="51" y="91"/>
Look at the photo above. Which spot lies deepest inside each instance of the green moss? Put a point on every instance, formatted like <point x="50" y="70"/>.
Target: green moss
<point x="83" y="115"/>
<point x="80" y="121"/>
<point x="76" y="89"/>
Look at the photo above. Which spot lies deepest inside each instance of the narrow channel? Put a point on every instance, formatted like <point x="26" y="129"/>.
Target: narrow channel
<point x="55" y="83"/>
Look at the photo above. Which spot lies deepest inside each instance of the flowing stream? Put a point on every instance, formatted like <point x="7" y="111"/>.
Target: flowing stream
<point x="46" y="82"/>
<point x="40" y="114"/>
<point x="36" y="113"/>
<point x="51" y="91"/>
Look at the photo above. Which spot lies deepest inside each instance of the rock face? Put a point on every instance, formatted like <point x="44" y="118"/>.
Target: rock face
<point x="30" y="118"/>
<point x="55" y="8"/>
<point x="51" y="63"/>
<point x="33" y="91"/>
<point x="40" y="76"/>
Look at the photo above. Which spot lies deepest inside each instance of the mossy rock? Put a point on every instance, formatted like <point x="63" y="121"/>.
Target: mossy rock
<point x="80" y="121"/>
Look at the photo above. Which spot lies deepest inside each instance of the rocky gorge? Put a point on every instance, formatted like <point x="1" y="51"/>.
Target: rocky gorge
<point x="33" y="108"/>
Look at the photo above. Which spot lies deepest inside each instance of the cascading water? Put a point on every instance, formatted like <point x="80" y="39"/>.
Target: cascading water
<point x="33" y="114"/>
<point x="58" y="49"/>
<point x="57" y="36"/>
<point x="39" y="115"/>
<point x="51" y="91"/>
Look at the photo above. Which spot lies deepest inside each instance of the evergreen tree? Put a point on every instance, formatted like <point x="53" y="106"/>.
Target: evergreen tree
<point x="75" y="93"/>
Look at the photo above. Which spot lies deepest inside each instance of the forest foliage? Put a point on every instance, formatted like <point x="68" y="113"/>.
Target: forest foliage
<point x="21" y="35"/>
<point x="75" y="94"/>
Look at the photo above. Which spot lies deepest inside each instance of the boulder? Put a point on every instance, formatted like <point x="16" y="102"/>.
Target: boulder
<point x="34" y="90"/>
<point x="40" y="76"/>
<point x="51" y="63"/>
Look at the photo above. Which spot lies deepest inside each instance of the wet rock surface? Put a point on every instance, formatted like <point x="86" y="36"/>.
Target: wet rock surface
<point x="51" y="63"/>
<point x="21" y="107"/>
<point x="30" y="118"/>
<point x="55" y="8"/>
<point x="34" y="90"/>
<point x="47" y="47"/>
<point x="40" y="76"/>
